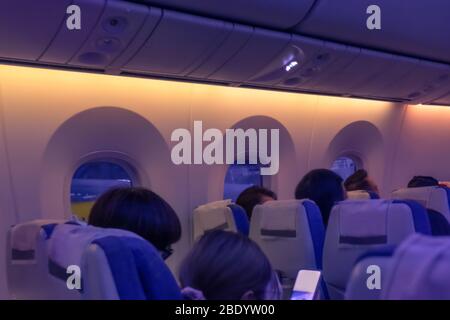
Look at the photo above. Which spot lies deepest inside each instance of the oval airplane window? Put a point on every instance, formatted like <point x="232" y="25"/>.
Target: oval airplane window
<point x="345" y="166"/>
<point x="240" y="177"/>
<point x="91" y="180"/>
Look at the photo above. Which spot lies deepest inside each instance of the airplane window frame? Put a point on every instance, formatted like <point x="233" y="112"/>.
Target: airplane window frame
<point x="124" y="162"/>
<point x="355" y="159"/>
<point x="264" y="180"/>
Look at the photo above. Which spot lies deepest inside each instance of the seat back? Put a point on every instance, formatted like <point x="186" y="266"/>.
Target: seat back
<point x="219" y="215"/>
<point x="362" y="195"/>
<point x="436" y="198"/>
<point x="115" y="264"/>
<point x="419" y="270"/>
<point x="291" y="233"/>
<point x="26" y="258"/>
<point x="358" y="226"/>
<point x="109" y="264"/>
<point x="374" y="263"/>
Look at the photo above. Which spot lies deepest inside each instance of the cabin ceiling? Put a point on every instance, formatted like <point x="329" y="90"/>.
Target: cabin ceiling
<point x="273" y="44"/>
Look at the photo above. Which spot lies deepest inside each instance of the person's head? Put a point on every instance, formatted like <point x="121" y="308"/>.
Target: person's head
<point x="360" y="180"/>
<point x="422" y="181"/>
<point x="254" y="195"/>
<point x="322" y="186"/>
<point x="140" y="211"/>
<point x="229" y="266"/>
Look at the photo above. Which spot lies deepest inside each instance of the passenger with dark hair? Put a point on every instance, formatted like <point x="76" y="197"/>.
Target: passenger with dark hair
<point x="140" y="211"/>
<point x="324" y="187"/>
<point x="228" y="266"/>
<point x="253" y="196"/>
<point x="439" y="224"/>
<point x="360" y="180"/>
<point x="422" y="181"/>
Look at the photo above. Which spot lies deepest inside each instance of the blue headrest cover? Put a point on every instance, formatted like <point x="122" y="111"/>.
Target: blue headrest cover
<point x="138" y="269"/>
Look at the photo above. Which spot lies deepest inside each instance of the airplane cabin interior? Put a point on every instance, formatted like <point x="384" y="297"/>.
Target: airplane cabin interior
<point x="224" y="150"/>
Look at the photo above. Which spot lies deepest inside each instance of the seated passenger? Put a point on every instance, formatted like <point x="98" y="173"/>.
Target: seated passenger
<point x="228" y="266"/>
<point x="439" y="224"/>
<point x="324" y="187"/>
<point x="422" y="181"/>
<point x="360" y="180"/>
<point x="140" y="211"/>
<point x="252" y="196"/>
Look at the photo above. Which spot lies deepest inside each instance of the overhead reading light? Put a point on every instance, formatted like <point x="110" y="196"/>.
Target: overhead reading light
<point x="291" y="65"/>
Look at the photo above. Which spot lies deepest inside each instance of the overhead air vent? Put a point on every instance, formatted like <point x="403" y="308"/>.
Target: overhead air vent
<point x="118" y="25"/>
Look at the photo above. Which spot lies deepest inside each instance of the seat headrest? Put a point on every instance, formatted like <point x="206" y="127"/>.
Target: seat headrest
<point x="137" y="268"/>
<point x="361" y="195"/>
<point x="77" y="238"/>
<point x="354" y="215"/>
<point x="356" y="226"/>
<point x="220" y="215"/>
<point x="436" y="198"/>
<point x="280" y="224"/>
<point x="420" y="270"/>
<point x="279" y="218"/>
<point x="24" y="236"/>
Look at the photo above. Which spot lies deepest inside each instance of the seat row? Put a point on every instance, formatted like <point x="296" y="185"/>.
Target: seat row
<point x="292" y="235"/>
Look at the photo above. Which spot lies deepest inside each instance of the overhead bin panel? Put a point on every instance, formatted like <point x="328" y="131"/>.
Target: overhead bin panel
<point x="67" y="42"/>
<point x="116" y="28"/>
<point x="279" y="14"/>
<point x="425" y="83"/>
<point x="179" y="45"/>
<point x="28" y="27"/>
<point x="232" y="44"/>
<point x="259" y="51"/>
<point x="364" y="67"/>
<point x="445" y="100"/>
<point x="378" y="85"/>
<point x="418" y="28"/>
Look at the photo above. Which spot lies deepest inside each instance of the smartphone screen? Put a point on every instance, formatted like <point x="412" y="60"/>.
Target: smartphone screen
<point x="306" y="285"/>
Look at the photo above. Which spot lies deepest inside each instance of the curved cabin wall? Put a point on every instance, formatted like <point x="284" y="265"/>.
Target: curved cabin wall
<point x="51" y="120"/>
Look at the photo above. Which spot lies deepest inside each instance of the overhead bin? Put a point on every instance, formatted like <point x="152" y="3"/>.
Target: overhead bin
<point x="405" y="79"/>
<point x="260" y="50"/>
<point x="323" y="67"/>
<point x="426" y="82"/>
<point x="415" y="27"/>
<point x="179" y="44"/>
<point x="278" y="14"/>
<point x="232" y="44"/>
<point x="444" y="100"/>
<point x="28" y="27"/>
<point x="116" y="28"/>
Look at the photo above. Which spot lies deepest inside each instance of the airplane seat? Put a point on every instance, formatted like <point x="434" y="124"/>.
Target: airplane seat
<point x="358" y="285"/>
<point x="419" y="270"/>
<point x="362" y="195"/>
<point x="113" y="264"/>
<point x="358" y="226"/>
<point x="291" y="234"/>
<point x="435" y="198"/>
<point x="26" y="260"/>
<point x="220" y="215"/>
